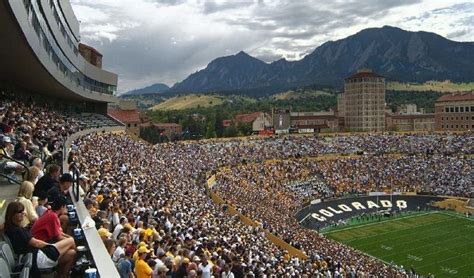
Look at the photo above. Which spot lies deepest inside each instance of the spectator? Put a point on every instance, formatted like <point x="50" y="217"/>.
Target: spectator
<point x="120" y="250"/>
<point x="24" y="197"/>
<point x="48" y="227"/>
<point x="142" y="269"/>
<point x="124" y="266"/>
<point x="49" y="180"/>
<point x="47" y="255"/>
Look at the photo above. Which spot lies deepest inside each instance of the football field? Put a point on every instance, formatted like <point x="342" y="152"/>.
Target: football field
<point x="438" y="243"/>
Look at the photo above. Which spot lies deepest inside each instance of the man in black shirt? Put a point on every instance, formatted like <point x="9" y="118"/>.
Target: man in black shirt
<point x="62" y="189"/>
<point x="49" y="180"/>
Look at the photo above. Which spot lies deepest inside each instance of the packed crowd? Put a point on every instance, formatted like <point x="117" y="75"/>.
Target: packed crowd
<point x="32" y="136"/>
<point x="31" y="131"/>
<point x="154" y="215"/>
<point x="263" y="191"/>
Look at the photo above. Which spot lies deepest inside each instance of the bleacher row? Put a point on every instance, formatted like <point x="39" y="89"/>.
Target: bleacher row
<point x="93" y="120"/>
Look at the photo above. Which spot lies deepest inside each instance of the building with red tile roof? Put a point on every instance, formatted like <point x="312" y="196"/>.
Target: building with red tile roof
<point x="130" y="117"/>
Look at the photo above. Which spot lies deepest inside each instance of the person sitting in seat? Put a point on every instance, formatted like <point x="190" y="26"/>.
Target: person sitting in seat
<point x="25" y="195"/>
<point x="49" y="180"/>
<point x="61" y="253"/>
<point x="48" y="227"/>
<point x="62" y="190"/>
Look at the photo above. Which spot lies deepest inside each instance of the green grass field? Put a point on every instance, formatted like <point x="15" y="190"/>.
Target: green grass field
<point x="437" y="243"/>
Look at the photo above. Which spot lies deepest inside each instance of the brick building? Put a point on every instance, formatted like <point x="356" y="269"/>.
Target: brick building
<point x="410" y="122"/>
<point x="309" y="122"/>
<point x="455" y="112"/>
<point x="169" y="129"/>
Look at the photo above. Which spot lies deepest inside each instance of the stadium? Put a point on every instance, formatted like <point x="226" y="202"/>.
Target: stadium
<point x="338" y="205"/>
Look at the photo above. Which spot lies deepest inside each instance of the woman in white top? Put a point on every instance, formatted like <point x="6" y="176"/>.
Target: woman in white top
<point x="120" y="250"/>
<point x="24" y="197"/>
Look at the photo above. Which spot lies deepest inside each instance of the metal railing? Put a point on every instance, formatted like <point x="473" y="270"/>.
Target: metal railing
<point x="24" y="173"/>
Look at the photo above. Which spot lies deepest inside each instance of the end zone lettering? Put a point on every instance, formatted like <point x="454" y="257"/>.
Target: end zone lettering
<point x="328" y="212"/>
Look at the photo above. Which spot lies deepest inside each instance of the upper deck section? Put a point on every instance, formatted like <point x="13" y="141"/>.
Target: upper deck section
<point x="40" y="51"/>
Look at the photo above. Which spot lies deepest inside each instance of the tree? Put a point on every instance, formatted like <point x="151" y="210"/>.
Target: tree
<point x="244" y="128"/>
<point x="211" y="128"/>
<point x="230" y="131"/>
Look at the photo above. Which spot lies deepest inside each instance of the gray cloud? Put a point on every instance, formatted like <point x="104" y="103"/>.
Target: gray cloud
<point x="155" y="41"/>
<point x="211" y="6"/>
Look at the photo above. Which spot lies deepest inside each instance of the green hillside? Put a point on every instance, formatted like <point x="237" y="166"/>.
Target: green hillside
<point x="189" y="102"/>
<point x="436" y="86"/>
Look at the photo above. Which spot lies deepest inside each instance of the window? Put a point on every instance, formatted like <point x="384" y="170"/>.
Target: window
<point x="456" y="109"/>
<point x="446" y="109"/>
<point x="451" y="109"/>
<point x="461" y="109"/>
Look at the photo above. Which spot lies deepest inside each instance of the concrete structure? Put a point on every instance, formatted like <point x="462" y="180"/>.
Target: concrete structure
<point x="281" y="119"/>
<point x="262" y="122"/>
<point x="455" y="112"/>
<point x="40" y="52"/>
<point x="363" y="102"/>
<point x="341" y="105"/>
<point x="409" y="109"/>
<point x="309" y="122"/>
<point x="410" y="122"/>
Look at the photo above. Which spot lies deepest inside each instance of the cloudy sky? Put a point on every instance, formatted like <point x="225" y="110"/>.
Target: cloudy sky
<point x="163" y="41"/>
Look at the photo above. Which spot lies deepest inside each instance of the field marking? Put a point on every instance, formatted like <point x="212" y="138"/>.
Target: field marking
<point x="408" y="235"/>
<point x="376" y="223"/>
<point x="448" y="259"/>
<point x="386" y="247"/>
<point x="409" y="228"/>
<point x="449" y="270"/>
<point x="434" y="244"/>
<point x="456" y="215"/>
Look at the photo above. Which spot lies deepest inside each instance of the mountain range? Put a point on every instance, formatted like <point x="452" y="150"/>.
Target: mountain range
<point x="153" y="89"/>
<point x="397" y="54"/>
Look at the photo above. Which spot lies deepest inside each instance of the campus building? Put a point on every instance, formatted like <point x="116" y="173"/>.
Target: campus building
<point x="455" y="112"/>
<point x="311" y="122"/>
<point x="363" y="102"/>
<point x="410" y="122"/>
